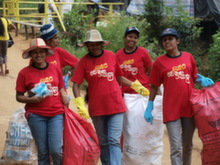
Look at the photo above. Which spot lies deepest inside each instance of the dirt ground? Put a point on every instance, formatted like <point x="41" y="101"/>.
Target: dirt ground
<point x="8" y="104"/>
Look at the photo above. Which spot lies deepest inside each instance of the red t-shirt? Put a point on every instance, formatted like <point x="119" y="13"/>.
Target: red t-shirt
<point x="62" y="58"/>
<point x="29" y="76"/>
<point x="135" y="66"/>
<point x="178" y="75"/>
<point x="105" y="96"/>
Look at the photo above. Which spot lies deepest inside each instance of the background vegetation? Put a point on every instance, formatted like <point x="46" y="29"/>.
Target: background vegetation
<point x="156" y="18"/>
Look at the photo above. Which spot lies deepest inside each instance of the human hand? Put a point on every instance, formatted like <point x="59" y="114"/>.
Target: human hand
<point x="204" y="81"/>
<point x="82" y="110"/>
<point x="139" y="88"/>
<point x="148" y="112"/>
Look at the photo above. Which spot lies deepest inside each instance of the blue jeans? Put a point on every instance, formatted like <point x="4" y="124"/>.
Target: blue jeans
<point x="48" y="135"/>
<point x="181" y="140"/>
<point x="109" y="130"/>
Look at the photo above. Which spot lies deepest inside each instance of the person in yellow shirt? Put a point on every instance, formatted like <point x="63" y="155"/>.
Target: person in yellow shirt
<point x="5" y="24"/>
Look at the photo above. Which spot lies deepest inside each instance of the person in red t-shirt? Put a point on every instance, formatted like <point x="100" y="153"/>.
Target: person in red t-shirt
<point x="61" y="57"/>
<point x="102" y="72"/>
<point x="136" y="63"/>
<point x="44" y="110"/>
<point x="177" y="72"/>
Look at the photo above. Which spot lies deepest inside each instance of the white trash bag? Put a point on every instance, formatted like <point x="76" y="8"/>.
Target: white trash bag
<point x="19" y="147"/>
<point x="142" y="142"/>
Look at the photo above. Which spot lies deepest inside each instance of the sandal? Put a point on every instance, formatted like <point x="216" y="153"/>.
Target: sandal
<point x="7" y="71"/>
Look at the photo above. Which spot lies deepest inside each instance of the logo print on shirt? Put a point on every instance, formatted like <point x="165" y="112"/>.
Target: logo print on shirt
<point x="178" y="73"/>
<point x="127" y="66"/>
<point x="54" y="62"/>
<point x="100" y="70"/>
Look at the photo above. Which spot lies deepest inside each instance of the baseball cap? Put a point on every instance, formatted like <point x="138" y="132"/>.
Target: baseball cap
<point x="130" y="29"/>
<point x="169" y="32"/>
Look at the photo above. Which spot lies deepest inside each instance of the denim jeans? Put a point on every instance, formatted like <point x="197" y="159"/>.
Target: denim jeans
<point x="48" y="135"/>
<point x="181" y="140"/>
<point x="109" y="130"/>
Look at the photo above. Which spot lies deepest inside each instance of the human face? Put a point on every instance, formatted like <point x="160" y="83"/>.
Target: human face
<point x="94" y="48"/>
<point x="131" y="40"/>
<point x="38" y="56"/>
<point x="170" y="43"/>
<point x="53" y="42"/>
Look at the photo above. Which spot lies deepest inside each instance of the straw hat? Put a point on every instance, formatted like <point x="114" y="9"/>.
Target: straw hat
<point x="94" y="36"/>
<point x="34" y="44"/>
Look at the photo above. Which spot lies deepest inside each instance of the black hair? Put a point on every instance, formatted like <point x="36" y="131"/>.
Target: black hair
<point x="2" y="28"/>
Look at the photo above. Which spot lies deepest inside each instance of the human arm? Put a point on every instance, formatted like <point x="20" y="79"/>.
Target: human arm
<point x="79" y="101"/>
<point x="148" y="112"/>
<point x="20" y="97"/>
<point x="136" y="85"/>
<point x="12" y="26"/>
<point x="204" y="81"/>
<point x="64" y="97"/>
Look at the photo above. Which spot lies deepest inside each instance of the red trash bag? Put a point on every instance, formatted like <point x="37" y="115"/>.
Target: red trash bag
<point x="206" y="109"/>
<point x="80" y="141"/>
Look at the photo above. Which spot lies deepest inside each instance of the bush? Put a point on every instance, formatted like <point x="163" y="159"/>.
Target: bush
<point x="214" y="58"/>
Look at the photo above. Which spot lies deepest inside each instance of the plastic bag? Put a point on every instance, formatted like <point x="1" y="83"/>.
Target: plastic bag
<point x="19" y="145"/>
<point x="80" y="141"/>
<point x="142" y="142"/>
<point x="206" y="109"/>
<point x="41" y="90"/>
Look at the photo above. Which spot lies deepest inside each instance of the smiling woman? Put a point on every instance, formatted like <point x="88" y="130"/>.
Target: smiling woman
<point x="41" y="115"/>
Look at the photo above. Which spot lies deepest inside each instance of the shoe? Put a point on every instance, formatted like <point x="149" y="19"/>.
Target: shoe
<point x="7" y="71"/>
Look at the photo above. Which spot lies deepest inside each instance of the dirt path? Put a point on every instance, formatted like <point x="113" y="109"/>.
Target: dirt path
<point x="8" y="104"/>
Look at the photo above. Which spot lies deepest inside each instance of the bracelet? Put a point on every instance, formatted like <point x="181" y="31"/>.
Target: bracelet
<point x="64" y="94"/>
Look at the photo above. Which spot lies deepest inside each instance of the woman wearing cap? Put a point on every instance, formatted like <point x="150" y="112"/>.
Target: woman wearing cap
<point x="106" y="106"/>
<point x="177" y="72"/>
<point x="61" y="57"/>
<point x="138" y="136"/>
<point x="44" y="113"/>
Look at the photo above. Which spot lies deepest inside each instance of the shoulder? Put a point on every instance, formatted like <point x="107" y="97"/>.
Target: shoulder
<point x="25" y="70"/>
<point x="108" y="52"/>
<point x="58" y="49"/>
<point x="119" y="51"/>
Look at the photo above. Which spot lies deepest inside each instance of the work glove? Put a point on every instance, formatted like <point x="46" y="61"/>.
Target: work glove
<point x="41" y="90"/>
<point x="204" y="81"/>
<point x="139" y="88"/>
<point x="82" y="110"/>
<point x="148" y="112"/>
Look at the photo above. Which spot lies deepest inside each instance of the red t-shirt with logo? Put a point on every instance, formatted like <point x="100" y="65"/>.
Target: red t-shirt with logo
<point x="29" y="76"/>
<point x="178" y="75"/>
<point x="134" y="66"/>
<point x="105" y="96"/>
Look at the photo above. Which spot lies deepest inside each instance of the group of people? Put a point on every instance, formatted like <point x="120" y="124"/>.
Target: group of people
<point x="123" y="96"/>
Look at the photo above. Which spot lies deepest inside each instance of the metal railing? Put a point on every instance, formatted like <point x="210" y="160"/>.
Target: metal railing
<point x="13" y="9"/>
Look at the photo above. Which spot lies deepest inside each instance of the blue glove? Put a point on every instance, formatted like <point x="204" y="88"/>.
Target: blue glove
<point x="147" y="114"/>
<point x="204" y="81"/>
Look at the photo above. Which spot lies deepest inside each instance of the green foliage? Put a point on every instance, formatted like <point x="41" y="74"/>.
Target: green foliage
<point x="115" y="28"/>
<point x="160" y="17"/>
<point x="214" y="58"/>
<point x="76" y="24"/>
<point x="154" y="15"/>
<point x="185" y="25"/>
